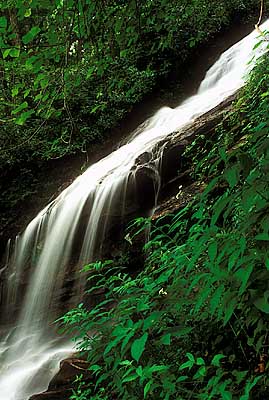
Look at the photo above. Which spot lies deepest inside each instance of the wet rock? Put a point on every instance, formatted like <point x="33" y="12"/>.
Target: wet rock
<point x="52" y="395"/>
<point x="69" y="369"/>
<point x="60" y="387"/>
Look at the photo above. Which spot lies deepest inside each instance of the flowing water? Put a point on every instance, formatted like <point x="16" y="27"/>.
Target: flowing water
<point x="30" y="351"/>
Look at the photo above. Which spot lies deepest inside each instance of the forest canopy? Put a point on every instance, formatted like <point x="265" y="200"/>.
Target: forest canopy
<point x="71" y="69"/>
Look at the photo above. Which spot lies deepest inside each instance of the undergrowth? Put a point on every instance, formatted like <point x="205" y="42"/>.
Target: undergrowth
<point x="194" y="323"/>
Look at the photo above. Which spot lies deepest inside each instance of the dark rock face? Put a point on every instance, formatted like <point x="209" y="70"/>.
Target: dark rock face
<point x="60" y="387"/>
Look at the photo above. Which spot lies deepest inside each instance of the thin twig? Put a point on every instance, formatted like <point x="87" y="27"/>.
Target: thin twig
<point x="257" y="26"/>
<point x="261" y="14"/>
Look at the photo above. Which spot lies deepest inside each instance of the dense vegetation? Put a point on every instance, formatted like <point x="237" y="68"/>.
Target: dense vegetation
<point x="70" y="70"/>
<point x="194" y="323"/>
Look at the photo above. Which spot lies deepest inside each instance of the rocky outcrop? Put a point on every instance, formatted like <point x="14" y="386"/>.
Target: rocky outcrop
<point x="60" y="387"/>
<point x="174" y="172"/>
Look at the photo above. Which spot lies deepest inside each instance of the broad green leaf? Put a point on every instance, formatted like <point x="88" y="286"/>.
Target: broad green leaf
<point x="249" y="386"/>
<point x="166" y="339"/>
<point x="147" y="388"/>
<point x="262" y="236"/>
<point x="216" y="299"/>
<point x="6" y="52"/>
<point x="200" y="373"/>
<point x="31" y="34"/>
<point x="14" y="52"/>
<point x="26" y="93"/>
<point x="188" y="364"/>
<point x="182" y="378"/>
<point x="14" y="91"/>
<point x="243" y="274"/>
<point x="212" y="251"/>
<point x="28" y="13"/>
<point x="200" y="361"/>
<point x="229" y="309"/>
<point x="95" y="368"/>
<point x="219" y="208"/>
<point x="111" y="345"/>
<point x="262" y="303"/>
<point x="190" y="357"/>
<point x="158" y="368"/>
<point x="3" y="22"/>
<point x="232" y="175"/>
<point x="20" y="107"/>
<point x="138" y="347"/>
<point x="226" y="395"/>
<point x="23" y="117"/>
<point x="216" y="360"/>
<point x="130" y="378"/>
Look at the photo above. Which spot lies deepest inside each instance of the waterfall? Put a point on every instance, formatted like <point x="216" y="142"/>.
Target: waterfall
<point x="30" y="351"/>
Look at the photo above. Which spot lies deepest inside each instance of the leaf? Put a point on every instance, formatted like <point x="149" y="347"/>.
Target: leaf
<point x="243" y="274"/>
<point x="200" y="373"/>
<point x="190" y="357"/>
<point x="23" y="117"/>
<point x="166" y="339"/>
<point x="130" y="378"/>
<point x="95" y="368"/>
<point x="14" y="91"/>
<point x="229" y="310"/>
<point x="90" y="72"/>
<point x="232" y="175"/>
<point x="216" y="299"/>
<point x="233" y="259"/>
<point x="200" y="361"/>
<point x="262" y="236"/>
<point x="226" y="395"/>
<point x="216" y="360"/>
<point x="219" y="207"/>
<point x="127" y="339"/>
<point x="188" y="364"/>
<point x="212" y="250"/>
<point x="138" y="347"/>
<point x="6" y="53"/>
<point x="262" y="303"/>
<point x="3" y="22"/>
<point x="28" y="13"/>
<point x="26" y="93"/>
<point x="258" y="44"/>
<point x="158" y="368"/>
<point x="222" y="153"/>
<point x="20" y="107"/>
<point x="147" y="388"/>
<point x="31" y="34"/>
<point x="249" y="387"/>
<point x="182" y="378"/>
<point x="239" y="375"/>
<point x="14" y="52"/>
<point x="112" y="344"/>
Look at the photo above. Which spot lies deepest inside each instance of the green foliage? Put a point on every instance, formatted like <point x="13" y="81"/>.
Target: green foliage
<point x="194" y="323"/>
<point x="70" y="70"/>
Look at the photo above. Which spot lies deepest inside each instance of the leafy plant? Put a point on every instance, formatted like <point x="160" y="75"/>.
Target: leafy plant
<point x="193" y="324"/>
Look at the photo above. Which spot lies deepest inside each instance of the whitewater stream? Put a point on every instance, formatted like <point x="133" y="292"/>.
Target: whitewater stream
<point x="30" y="351"/>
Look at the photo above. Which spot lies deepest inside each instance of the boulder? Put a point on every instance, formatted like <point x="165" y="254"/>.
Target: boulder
<point x="60" y="387"/>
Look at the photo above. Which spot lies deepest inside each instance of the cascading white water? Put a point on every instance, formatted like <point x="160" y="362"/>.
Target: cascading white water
<point x="45" y="246"/>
